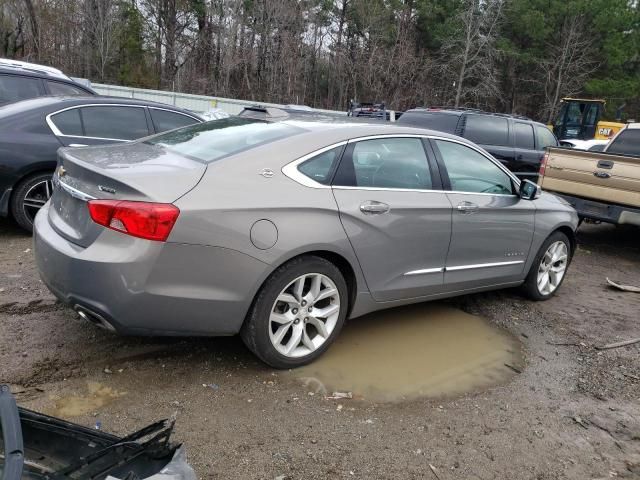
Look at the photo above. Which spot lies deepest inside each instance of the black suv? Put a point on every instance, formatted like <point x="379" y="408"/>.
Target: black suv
<point x="22" y="80"/>
<point x="518" y="142"/>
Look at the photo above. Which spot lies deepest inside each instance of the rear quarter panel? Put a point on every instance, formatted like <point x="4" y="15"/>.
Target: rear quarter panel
<point x="232" y="196"/>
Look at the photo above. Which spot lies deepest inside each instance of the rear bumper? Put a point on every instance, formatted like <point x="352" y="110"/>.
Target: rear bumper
<point x="604" y="212"/>
<point x="142" y="287"/>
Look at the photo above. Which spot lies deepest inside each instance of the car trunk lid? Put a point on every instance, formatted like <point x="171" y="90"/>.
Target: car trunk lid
<point x="137" y="172"/>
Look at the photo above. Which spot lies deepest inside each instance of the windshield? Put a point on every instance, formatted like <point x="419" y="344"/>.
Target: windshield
<point x="211" y="141"/>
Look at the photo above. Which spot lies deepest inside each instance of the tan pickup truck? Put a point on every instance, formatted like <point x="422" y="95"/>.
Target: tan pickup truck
<point x="601" y="186"/>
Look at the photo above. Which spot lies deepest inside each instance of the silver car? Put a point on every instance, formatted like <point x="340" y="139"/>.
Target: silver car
<point x="280" y="230"/>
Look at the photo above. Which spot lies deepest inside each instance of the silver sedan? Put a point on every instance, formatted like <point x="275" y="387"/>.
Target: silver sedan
<point x="280" y="230"/>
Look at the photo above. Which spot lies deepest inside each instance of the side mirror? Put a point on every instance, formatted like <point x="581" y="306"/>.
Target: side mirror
<point x="529" y="190"/>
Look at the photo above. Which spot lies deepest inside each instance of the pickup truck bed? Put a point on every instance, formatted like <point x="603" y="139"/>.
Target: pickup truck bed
<point x="600" y="186"/>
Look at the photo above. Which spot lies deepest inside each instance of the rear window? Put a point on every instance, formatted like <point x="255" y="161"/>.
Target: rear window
<point x="58" y="88"/>
<point x="114" y="122"/>
<point x="487" y="130"/>
<point x="440" y="121"/>
<point x="626" y="143"/>
<point x="68" y="122"/>
<point x="208" y="142"/>
<point x="524" y="136"/>
<point x="545" y="138"/>
<point x="14" y="88"/>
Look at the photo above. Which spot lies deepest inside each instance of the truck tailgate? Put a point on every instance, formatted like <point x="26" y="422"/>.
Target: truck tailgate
<point x="601" y="176"/>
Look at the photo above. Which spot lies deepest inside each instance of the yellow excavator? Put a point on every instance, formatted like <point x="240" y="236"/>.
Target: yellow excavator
<point x="581" y="118"/>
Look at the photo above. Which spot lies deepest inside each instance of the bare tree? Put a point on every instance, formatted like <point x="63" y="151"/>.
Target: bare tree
<point x="568" y="65"/>
<point x="101" y="18"/>
<point x="33" y="20"/>
<point x="469" y="55"/>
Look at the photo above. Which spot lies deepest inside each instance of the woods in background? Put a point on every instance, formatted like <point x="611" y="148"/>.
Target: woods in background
<point x="514" y="56"/>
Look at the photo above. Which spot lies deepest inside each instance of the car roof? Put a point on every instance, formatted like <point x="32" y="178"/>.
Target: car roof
<point x="53" y="103"/>
<point x="16" y="66"/>
<point x="470" y="111"/>
<point x="24" y="69"/>
<point x="338" y="131"/>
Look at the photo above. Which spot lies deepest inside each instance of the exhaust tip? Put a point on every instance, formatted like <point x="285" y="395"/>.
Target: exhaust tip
<point x="95" y="318"/>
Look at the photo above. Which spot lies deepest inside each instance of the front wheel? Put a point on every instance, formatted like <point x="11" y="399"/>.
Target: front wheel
<point x="549" y="267"/>
<point x="298" y="313"/>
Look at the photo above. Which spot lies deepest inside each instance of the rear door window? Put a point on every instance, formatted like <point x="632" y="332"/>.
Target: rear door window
<point x="487" y="130"/>
<point x="14" y="88"/>
<point x="164" y="120"/>
<point x="59" y="88"/>
<point x="524" y="136"/>
<point x="626" y="143"/>
<point x="68" y="122"/>
<point x="386" y="163"/>
<point x="114" y="122"/>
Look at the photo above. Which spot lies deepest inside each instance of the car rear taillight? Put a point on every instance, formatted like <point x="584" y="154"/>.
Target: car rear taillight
<point x="152" y="221"/>
<point x="543" y="164"/>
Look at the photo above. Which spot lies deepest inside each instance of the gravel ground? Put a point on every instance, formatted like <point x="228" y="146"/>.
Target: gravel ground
<point x="573" y="412"/>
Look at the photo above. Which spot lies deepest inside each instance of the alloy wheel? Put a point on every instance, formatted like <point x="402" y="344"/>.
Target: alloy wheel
<point x="36" y="197"/>
<point x="552" y="267"/>
<point x="304" y="315"/>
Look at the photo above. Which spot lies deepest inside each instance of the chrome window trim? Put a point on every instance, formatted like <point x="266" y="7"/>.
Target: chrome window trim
<point x="388" y="189"/>
<point x="425" y="271"/>
<point x="291" y="171"/>
<point x="56" y="131"/>
<point x="482" y="265"/>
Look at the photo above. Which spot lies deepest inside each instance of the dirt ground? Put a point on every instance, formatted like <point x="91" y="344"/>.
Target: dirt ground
<point x="572" y="413"/>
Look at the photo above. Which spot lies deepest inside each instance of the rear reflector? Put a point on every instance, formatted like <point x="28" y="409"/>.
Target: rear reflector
<point x="152" y="221"/>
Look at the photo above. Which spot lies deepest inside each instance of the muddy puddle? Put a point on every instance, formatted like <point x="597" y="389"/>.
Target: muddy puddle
<point x="425" y="350"/>
<point x="97" y="396"/>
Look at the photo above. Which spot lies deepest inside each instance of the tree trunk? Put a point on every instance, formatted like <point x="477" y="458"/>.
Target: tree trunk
<point x="34" y="28"/>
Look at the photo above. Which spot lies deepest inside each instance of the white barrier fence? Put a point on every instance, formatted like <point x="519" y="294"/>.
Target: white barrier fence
<point x="196" y="103"/>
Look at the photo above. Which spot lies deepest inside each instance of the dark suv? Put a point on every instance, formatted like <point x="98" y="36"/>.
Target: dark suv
<point x="22" y="80"/>
<point x="517" y="142"/>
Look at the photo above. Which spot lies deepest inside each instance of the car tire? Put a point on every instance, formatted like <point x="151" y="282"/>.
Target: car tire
<point x="547" y="266"/>
<point x="36" y="188"/>
<point x="273" y="324"/>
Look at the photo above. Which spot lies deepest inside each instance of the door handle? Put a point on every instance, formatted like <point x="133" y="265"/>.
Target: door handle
<point x="78" y="145"/>
<point x="374" y="208"/>
<point x="468" y="207"/>
<point x="605" y="164"/>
